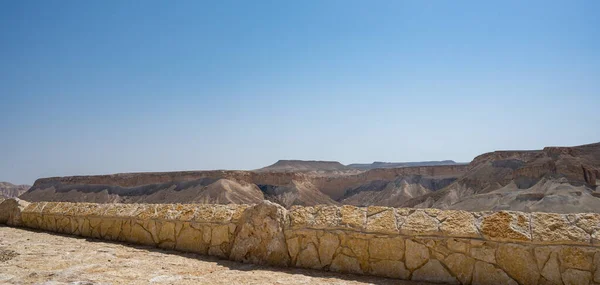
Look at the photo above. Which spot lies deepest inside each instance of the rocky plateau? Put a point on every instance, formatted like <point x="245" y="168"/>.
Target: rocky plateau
<point x="554" y="179"/>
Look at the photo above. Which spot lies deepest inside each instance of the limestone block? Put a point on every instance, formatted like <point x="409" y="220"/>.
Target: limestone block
<point x="381" y="220"/>
<point x="487" y="274"/>
<point x="484" y="251"/>
<point x="125" y="210"/>
<point x="518" y="262"/>
<point x="346" y="264"/>
<point x="555" y="228"/>
<point x="576" y="277"/>
<point x="328" y="244"/>
<point x="259" y="236"/>
<point x="416" y="255"/>
<point x="326" y="217"/>
<point x="359" y="247"/>
<point x="401" y="214"/>
<point x="390" y="268"/>
<point x="220" y="214"/>
<point x="219" y="235"/>
<point x="597" y="267"/>
<point x="434" y="271"/>
<point x="589" y="222"/>
<point x="300" y="217"/>
<point x="166" y="231"/>
<point x="458" y="245"/>
<point x="141" y="235"/>
<point x="551" y="270"/>
<point x="386" y="248"/>
<point x="191" y="239"/>
<point x="238" y="211"/>
<point x="420" y="223"/>
<point x="185" y="213"/>
<point x="457" y="224"/>
<point x="542" y="253"/>
<point x="506" y="226"/>
<point x="309" y="258"/>
<point x="461" y="265"/>
<point x="353" y="217"/>
<point x="576" y="258"/>
<point x="293" y="245"/>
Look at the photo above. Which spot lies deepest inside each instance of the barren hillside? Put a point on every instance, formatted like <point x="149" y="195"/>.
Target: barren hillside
<point x="9" y="190"/>
<point x="555" y="179"/>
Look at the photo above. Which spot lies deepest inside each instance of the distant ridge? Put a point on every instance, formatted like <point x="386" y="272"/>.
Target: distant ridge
<point x="304" y="165"/>
<point x="9" y="190"/>
<point x="379" y="164"/>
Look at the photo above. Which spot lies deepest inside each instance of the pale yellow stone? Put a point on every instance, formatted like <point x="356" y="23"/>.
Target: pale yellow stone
<point x="576" y="258"/>
<point x="359" y="247"/>
<point x="458" y="224"/>
<point x="167" y="231"/>
<point x="542" y="253"/>
<point x="420" y="223"/>
<point x="518" y="262"/>
<point x="11" y="211"/>
<point x="390" y="268"/>
<point x="551" y="270"/>
<point x="301" y="216"/>
<point x="220" y="234"/>
<point x="555" y="228"/>
<point x="326" y="216"/>
<point x="353" y="217"/>
<point x="86" y="230"/>
<point x="309" y="257"/>
<point x="433" y="271"/>
<point x="185" y="212"/>
<point x="140" y="235"/>
<point x="346" y="264"/>
<point x="381" y="220"/>
<point x="386" y="248"/>
<point x="461" y="265"/>
<point x="487" y="274"/>
<point x="328" y="244"/>
<point x="597" y="267"/>
<point x="293" y="247"/>
<point x="457" y="246"/>
<point x="260" y="238"/>
<point x="416" y="255"/>
<point x="506" y="226"/>
<point x="206" y="234"/>
<point x="221" y="214"/>
<point x="484" y="252"/>
<point x="190" y="239"/>
<point x="576" y="277"/>
<point x="589" y="222"/>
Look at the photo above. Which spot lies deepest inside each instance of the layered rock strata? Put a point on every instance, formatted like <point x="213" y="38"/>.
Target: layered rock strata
<point x="452" y="247"/>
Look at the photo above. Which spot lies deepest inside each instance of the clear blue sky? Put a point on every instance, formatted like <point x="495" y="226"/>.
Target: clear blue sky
<point x="92" y="87"/>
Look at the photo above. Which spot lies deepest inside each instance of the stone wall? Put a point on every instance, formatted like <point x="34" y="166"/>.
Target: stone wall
<point x="454" y="247"/>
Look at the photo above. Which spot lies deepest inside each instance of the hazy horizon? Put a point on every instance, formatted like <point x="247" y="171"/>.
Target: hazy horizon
<point x="130" y="86"/>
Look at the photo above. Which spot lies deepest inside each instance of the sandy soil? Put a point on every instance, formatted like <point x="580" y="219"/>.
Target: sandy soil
<point x="32" y="257"/>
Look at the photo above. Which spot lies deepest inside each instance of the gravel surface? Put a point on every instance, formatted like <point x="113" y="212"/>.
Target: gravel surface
<point x="32" y="257"/>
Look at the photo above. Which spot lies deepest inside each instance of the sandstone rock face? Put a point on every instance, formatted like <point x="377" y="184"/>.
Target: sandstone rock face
<point x="430" y="245"/>
<point x="10" y="211"/>
<point x="259" y="236"/>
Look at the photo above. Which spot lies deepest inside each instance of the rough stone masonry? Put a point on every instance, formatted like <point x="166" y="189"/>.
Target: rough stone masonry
<point x="452" y="247"/>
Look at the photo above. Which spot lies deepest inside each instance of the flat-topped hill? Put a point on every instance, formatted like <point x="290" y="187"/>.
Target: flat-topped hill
<point x="304" y="165"/>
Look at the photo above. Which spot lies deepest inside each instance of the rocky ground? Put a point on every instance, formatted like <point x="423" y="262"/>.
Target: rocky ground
<point x="31" y="257"/>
